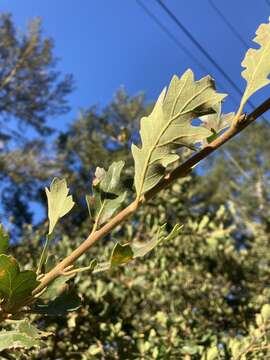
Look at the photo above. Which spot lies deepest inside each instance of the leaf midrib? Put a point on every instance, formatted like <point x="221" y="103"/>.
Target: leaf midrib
<point x="180" y="112"/>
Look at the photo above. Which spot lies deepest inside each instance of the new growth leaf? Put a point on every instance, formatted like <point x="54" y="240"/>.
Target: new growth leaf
<point x="108" y="193"/>
<point x="59" y="202"/>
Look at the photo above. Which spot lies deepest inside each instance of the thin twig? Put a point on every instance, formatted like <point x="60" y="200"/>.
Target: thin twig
<point x="179" y="172"/>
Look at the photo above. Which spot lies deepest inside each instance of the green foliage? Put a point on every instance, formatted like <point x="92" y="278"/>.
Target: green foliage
<point x="205" y="293"/>
<point x="59" y="202"/>
<point x="15" y="286"/>
<point x="216" y="123"/>
<point x="169" y="127"/>
<point x="122" y="254"/>
<point x="24" y="335"/>
<point x="108" y="193"/>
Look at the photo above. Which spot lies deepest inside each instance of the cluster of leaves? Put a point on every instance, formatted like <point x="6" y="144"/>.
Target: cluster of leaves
<point x="197" y="294"/>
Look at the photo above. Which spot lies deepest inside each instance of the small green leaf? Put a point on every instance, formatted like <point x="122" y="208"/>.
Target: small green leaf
<point x="216" y="122"/>
<point x="68" y="301"/>
<point x="59" y="202"/>
<point x="4" y="240"/>
<point x="169" y="127"/>
<point x="122" y="254"/>
<point x="15" y="286"/>
<point x="144" y="248"/>
<point x="257" y="64"/>
<point x="24" y="336"/>
<point x="108" y="193"/>
<point x="110" y="182"/>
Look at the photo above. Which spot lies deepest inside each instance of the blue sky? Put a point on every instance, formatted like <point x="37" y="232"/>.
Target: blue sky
<point x="109" y="43"/>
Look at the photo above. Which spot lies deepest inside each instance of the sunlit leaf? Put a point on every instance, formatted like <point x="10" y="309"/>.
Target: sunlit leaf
<point x="216" y="123"/>
<point x="256" y="63"/>
<point x="59" y="202"/>
<point x="169" y="127"/>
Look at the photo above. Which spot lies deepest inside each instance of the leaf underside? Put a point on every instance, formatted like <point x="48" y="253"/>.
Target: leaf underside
<point x="257" y="63"/>
<point x="216" y="123"/>
<point x="169" y="127"/>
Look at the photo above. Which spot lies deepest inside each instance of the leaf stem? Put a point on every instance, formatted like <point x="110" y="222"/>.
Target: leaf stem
<point x="43" y="255"/>
<point x="181" y="171"/>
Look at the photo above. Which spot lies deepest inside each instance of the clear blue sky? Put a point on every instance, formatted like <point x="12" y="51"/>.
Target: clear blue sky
<point x="108" y="43"/>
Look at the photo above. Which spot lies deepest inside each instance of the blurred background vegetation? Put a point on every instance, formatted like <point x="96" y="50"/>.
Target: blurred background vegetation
<point x="202" y="296"/>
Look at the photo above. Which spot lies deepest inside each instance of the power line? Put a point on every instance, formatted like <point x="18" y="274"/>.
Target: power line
<point x="199" y="46"/>
<point x="189" y="53"/>
<point x="230" y="26"/>
<point x="236" y="34"/>
<point x="172" y="37"/>
<point x="181" y="46"/>
<point x="206" y="54"/>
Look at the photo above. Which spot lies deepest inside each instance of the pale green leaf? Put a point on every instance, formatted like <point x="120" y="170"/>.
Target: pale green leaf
<point x="4" y="240"/>
<point x="257" y="63"/>
<point x="15" y="286"/>
<point x="59" y="202"/>
<point x="14" y="339"/>
<point x="24" y="336"/>
<point x="169" y="127"/>
<point x="108" y="193"/>
<point x="111" y="180"/>
<point x="216" y="123"/>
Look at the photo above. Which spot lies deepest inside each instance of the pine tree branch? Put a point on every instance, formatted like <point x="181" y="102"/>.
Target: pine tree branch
<point x="179" y="172"/>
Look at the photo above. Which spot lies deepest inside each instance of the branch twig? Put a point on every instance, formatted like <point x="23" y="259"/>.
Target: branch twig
<point x="179" y="172"/>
